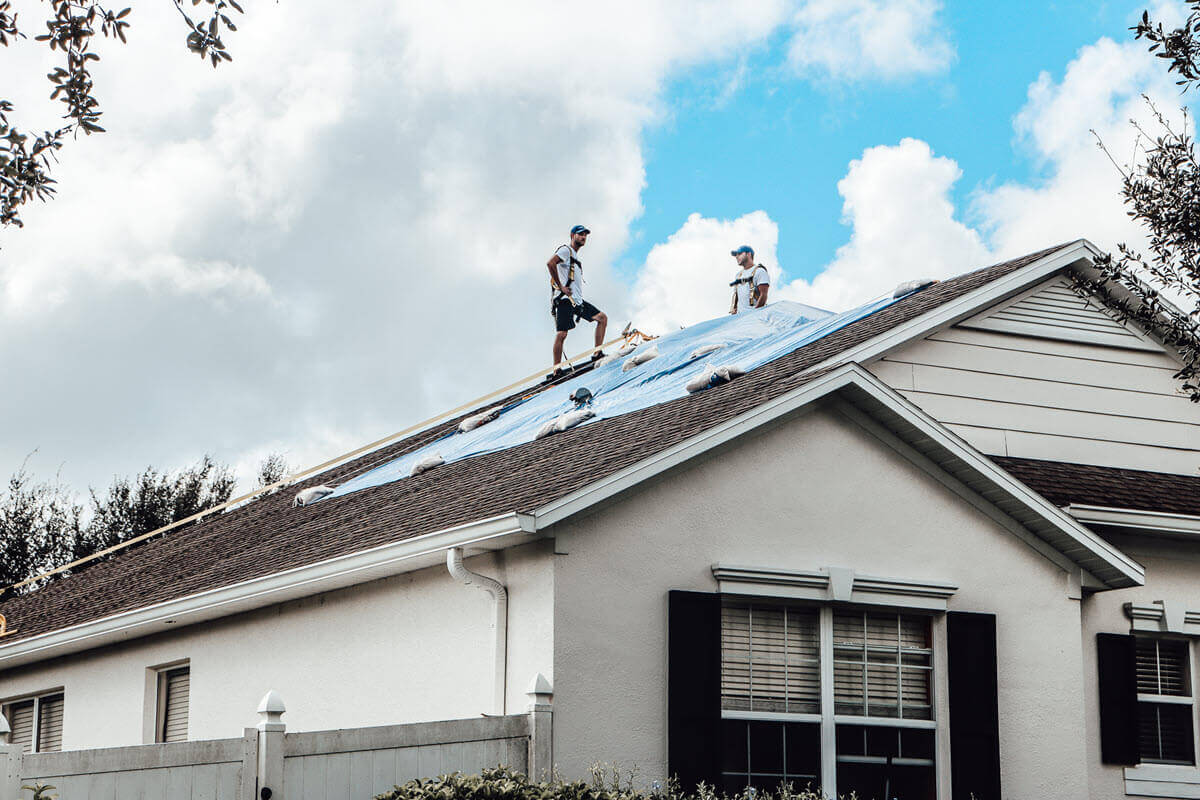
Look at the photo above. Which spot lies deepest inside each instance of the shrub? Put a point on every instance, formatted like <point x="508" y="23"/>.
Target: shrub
<point x="504" y="784"/>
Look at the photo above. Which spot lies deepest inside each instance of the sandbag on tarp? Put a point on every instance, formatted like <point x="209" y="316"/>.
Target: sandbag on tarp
<point x="427" y="463"/>
<point x="475" y="420"/>
<point x="713" y="376"/>
<point x="747" y="341"/>
<point x="310" y="495"/>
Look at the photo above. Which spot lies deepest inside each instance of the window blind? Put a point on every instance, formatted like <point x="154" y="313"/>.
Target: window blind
<point x="770" y="658"/>
<point x="20" y="720"/>
<point x="1164" y="729"/>
<point x="176" y="684"/>
<point x="50" y="724"/>
<point x="1162" y="667"/>
<point x="882" y="663"/>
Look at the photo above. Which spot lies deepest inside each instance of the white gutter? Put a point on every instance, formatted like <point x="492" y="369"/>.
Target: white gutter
<point x="1152" y="521"/>
<point x="454" y="563"/>
<point x="379" y="562"/>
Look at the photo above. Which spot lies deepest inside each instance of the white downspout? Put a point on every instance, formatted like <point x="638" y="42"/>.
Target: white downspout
<point x="454" y="563"/>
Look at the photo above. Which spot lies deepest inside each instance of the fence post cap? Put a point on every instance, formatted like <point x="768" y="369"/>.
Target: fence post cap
<point x="540" y="693"/>
<point x="272" y="703"/>
<point x="270" y="712"/>
<point x="540" y="685"/>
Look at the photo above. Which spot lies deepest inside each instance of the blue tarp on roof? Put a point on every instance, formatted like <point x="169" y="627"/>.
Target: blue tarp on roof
<point x="747" y="341"/>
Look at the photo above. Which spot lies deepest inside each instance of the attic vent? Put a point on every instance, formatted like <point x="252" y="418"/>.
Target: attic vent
<point x="307" y="497"/>
<point x="1055" y="311"/>
<point x="427" y="463"/>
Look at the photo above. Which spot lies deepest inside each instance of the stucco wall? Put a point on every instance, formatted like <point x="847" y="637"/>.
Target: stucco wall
<point x="1172" y="574"/>
<point x="411" y="648"/>
<point x="813" y="492"/>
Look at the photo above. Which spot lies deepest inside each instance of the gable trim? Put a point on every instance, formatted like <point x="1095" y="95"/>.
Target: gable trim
<point x="1073" y="545"/>
<point x="970" y="303"/>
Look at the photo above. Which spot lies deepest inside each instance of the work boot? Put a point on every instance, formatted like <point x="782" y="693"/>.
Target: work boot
<point x="596" y="356"/>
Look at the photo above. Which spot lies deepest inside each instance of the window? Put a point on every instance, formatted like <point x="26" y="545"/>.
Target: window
<point x="172" y="718"/>
<point x="1165" y="704"/>
<point x="876" y="714"/>
<point x="36" y="722"/>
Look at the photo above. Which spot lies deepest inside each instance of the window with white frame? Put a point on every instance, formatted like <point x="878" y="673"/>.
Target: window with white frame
<point x="877" y="712"/>
<point x="36" y="722"/>
<point x="174" y="691"/>
<point x="1166" y="707"/>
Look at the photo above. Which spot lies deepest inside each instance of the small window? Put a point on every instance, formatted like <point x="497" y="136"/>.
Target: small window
<point x="36" y="723"/>
<point x="1165" y="705"/>
<point x="173" y="690"/>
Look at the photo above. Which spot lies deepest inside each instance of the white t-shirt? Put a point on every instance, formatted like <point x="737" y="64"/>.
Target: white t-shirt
<point x="564" y="269"/>
<point x="743" y="289"/>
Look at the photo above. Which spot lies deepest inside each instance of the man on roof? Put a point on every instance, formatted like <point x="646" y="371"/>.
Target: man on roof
<point x="751" y="284"/>
<point x="566" y="296"/>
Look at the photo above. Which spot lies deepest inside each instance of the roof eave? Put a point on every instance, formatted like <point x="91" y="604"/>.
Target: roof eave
<point x="406" y="555"/>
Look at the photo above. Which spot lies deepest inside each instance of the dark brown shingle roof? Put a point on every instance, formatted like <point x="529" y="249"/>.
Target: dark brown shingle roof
<point x="1062" y="484"/>
<point x="268" y="536"/>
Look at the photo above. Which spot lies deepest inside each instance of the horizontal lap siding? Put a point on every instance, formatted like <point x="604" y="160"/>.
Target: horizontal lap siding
<point x="1052" y="399"/>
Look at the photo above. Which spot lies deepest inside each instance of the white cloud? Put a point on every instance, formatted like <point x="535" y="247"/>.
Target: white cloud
<point x="339" y="233"/>
<point x="896" y="199"/>
<point x="851" y="40"/>
<point x="686" y="279"/>
<point x="1101" y="90"/>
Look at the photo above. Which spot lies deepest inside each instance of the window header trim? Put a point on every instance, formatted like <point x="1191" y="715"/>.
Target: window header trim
<point x="838" y="584"/>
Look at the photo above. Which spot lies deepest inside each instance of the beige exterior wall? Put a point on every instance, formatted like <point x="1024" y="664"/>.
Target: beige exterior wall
<point x="815" y="491"/>
<point x="412" y="648"/>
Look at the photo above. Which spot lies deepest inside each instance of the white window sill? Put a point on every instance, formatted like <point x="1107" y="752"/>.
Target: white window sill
<point x="1162" y="780"/>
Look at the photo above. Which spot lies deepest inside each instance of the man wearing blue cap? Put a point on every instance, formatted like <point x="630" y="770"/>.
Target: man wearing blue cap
<point x="751" y="284"/>
<point x="566" y="296"/>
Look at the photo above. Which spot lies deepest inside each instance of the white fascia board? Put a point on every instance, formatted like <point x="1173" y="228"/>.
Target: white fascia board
<point x="1153" y="521"/>
<point x="693" y="446"/>
<point x="798" y="399"/>
<point x="335" y="573"/>
<point x="963" y="307"/>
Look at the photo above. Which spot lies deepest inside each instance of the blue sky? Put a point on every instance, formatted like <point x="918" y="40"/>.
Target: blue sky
<point x="781" y="143"/>
<point x="301" y="254"/>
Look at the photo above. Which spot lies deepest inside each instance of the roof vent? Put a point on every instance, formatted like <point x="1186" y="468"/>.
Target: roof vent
<point x="908" y="287"/>
<point x="482" y="418"/>
<point x="640" y="357"/>
<point x="714" y="376"/>
<point x="564" y="422"/>
<point x="306" y="497"/>
<point x="581" y="396"/>
<point x="700" y="352"/>
<point x="427" y="463"/>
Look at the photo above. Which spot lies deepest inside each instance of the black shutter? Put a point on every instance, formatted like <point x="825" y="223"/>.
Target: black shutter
<point x="974" y="710"/>
<point x="694" y="688"/>
<point x="1116" y="662"/>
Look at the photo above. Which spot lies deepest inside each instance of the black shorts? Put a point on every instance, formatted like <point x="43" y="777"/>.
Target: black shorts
<point x="565" y="313"/>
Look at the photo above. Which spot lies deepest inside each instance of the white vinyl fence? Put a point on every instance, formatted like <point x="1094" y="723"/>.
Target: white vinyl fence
<point x="268" y="763"/>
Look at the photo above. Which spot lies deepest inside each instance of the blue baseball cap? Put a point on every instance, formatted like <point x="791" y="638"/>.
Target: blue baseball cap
<point x="743" y="249"/>
<point x="579" y="229"/>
